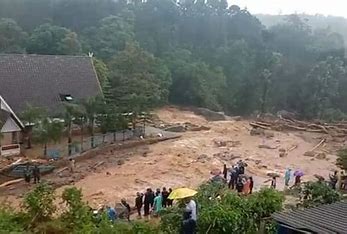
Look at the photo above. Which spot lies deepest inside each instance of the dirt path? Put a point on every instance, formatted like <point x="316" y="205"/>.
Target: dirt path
<point x="187" y="161"/>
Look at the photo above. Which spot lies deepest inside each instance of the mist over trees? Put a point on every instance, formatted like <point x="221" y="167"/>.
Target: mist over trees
<point x="192" y="52"/>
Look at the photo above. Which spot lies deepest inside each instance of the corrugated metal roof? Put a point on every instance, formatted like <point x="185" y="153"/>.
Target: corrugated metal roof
<point x="325" y="219"/>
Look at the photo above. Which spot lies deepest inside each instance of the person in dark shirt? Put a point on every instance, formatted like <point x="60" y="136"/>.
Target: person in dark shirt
<point x="251" y="185"/>
<point x="36" y="174"/>
<point x="225" y="171"/>
<point x="157" y="192"/>
<point x="273" y="182"/>
<point x="152" y="196"/>
<point x="139" y="203"/>
<point x="233" y="179"/>
<point x="239" y="185"/>
<point x="169" y="201"/>
<point x="188" y="224"/>
<point x="165" y="195"/>
<point x="147" y="201"/>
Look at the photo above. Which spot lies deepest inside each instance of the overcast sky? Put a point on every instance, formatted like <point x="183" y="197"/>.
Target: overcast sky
<point x="325" y="7"/>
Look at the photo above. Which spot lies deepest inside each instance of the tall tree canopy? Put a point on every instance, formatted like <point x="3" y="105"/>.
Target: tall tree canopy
<point x="193" y="52"/>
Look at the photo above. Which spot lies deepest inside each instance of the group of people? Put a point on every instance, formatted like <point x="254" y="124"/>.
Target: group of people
<point x="152" y="201"/>
<point x="238" y="180"/>
<point x="34" y="172"/>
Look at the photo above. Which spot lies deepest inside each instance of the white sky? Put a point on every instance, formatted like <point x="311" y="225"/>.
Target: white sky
<point x="325" y="7"/>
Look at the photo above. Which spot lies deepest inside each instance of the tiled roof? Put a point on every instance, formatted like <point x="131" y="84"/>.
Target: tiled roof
<point x="40" y="80"/>
<point x="325" y="219"/>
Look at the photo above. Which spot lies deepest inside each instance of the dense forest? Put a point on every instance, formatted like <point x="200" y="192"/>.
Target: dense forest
<point x="193" y="52"/>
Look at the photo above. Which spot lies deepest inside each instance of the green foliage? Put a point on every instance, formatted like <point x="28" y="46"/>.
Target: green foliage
<point x="9" y="222"/>
<point x="222" y="211"/>
<point x="12" y="37"/>
<point x="318" y="193"/>
<point x="138" y="80"/>
<point x="51" y="39"/>
<point x="32" y="115"/>
<point x="77" y="217"/>
<point x="342" y="159"/>
<point x="39" y="203"/>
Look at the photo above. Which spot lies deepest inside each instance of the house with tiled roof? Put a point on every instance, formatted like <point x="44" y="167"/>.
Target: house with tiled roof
<point x="45" y="81"/>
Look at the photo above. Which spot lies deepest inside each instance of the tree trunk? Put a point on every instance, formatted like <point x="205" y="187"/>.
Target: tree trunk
<point x="69" y="139"/>
<point x="82" y="134"/>
<point x="92" y="133"/>
<point x="45" y="150"/>
<point x="103" y="137"/>
<point x="114" y="136"/>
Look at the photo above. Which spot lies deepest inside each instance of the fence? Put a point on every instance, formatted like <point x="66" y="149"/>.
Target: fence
<point x="79" y="146"/>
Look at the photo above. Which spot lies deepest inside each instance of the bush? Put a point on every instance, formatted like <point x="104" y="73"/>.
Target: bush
<point x="342" y="159"/>
<point x="39" y="203"/>
<point x="78" y="216"/>
<point x="318" y="193"/>
<point x="9" y="222"/>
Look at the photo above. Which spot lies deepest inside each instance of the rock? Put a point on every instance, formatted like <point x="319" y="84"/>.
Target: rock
<point x="120" y="162"/>
<point x="108" y="173"/>
<point x="257" y="131"/>
<point x="309" y="154"/>
<point x="177" y="128"/>
<point x="321" y="156"/>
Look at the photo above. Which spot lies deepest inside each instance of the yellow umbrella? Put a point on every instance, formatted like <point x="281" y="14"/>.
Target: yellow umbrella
<point x="181" y="193"/>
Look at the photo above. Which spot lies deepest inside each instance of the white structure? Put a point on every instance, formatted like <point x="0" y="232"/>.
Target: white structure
<point x="10" y="127"/>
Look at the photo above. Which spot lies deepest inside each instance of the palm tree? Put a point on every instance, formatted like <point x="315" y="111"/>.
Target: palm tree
<point x="47" y="131"/>
<point x="72" y="112"/>
<point x="92" y="107"/>
<point x="31" y="116"/>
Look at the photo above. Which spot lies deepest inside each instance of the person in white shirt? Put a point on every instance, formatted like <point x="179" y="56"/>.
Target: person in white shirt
<point x="191" y="205"/>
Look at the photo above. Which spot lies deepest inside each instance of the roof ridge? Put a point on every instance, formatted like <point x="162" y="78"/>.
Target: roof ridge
<point x="46" y="55"/>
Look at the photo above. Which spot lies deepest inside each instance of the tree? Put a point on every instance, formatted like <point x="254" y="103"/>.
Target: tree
<point x="48" y="130"/>
<point x="52" y="39"/>
<point x="31" y="116"/>
<point x="138" y="80"/>
<point x="12" y="37"/>
<point x="110" y="36"/>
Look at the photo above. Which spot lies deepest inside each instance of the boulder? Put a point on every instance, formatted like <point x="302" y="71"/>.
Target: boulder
<point x="321" y="156"/>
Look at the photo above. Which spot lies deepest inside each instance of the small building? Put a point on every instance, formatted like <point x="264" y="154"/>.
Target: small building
<point x="324" y="219"/>
<point x="10" y="128"/>
<point x="44" y="81"/>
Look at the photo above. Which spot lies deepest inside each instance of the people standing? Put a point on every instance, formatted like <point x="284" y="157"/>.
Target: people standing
<point x="188" y="223"/>
<point x="239" y="186"/>
<point x="273" y="182"/>
<point x="158" y="204"/>
<point x="191" y="205"/>
<point x="127" y="209"/>
<point x="139" y="203"/>
<point x="287" y="176"/>
<point x="165" y="195"/>
<point x="157" y="192"/>
<point x="147" y="201"/>
<point x="72" y="165"/>
<point x="169" y="201"/>
<point x="27" y="174"/>
<point x="225" y="171"/>
<point x="333" y="180"/>
<point x="36" y="174"/>
<point x="233" y="178"/>
<point x="152" y="196"/>
<point x="251" y="185"/>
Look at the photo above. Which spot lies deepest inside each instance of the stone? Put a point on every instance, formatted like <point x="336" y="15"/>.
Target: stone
<point x="120" y="162"/>
<point x="321" y="156"/>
